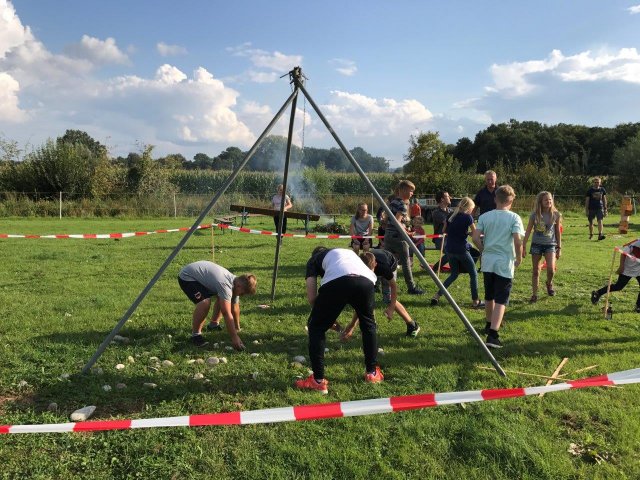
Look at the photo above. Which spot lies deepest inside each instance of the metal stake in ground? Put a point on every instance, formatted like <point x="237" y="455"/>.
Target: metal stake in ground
<point x="105" y="343"/>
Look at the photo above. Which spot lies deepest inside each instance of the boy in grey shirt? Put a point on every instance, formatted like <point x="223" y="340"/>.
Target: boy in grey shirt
<point x="202" y="280"/>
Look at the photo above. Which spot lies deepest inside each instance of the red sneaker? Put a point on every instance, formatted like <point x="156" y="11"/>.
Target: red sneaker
<point x="375" y="377"/>
<point x="310" y="383"/>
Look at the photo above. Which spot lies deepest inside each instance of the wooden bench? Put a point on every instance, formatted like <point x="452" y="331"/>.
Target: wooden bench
<point x="245" y="210"/>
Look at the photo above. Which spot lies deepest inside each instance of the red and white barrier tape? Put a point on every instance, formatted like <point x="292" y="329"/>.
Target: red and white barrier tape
<point x="184" y="229"/>
<point x="327" y="410"/>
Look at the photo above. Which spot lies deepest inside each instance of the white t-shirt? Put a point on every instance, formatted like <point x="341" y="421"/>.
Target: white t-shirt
<point x="631" y="265"/>
<point x="341" y="262"/>
<point x="275" y="201"/>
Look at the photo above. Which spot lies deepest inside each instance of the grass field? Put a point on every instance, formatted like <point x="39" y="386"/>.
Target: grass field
<point x="60" y="298"/>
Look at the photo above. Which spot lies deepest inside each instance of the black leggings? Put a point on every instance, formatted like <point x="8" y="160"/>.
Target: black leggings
<point x="332" y="298"/>
<point x="276" y="221"/>
<point x="619" y="285"/>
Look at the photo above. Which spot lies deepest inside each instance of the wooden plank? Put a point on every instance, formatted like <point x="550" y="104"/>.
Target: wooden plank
<point x="271" y="213"/>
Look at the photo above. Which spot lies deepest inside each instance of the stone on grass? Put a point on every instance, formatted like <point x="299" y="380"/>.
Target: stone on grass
<point x="120" y="366"/>
<point x="299" y="359"/>
<point x="149" y="385"/>
<point x="198" y="376"/>
<point x="83" y="413"/>
<point x="153" y="359"/>
<point x="255" y="355"/>
<point x="380" y="351"/>
<point x="223" y="359"/>
<point x="130" y="359"/>
<point x="53" y="406"/>
<point x="167" y="363"/>
<point x="326" y="350"/>
<point x="191" y="361"/>
<point x="200" y="361"/>
<point x="256" y="342"/>
<point x="213" y="361"/>
<point x="64" y="376"/>
<point x="106" y="388"/>
<point x="121" y="386"/>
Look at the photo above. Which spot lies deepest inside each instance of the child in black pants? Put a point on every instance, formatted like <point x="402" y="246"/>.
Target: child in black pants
<point x="629" y="268"/>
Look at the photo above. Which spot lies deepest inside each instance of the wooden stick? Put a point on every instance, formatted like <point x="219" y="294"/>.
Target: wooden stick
<point x="526" y="374"/>
<point x="440" y="260"/>
<point x="606" y="303"/>
<point x="213" y="248"/>
<point x="585" y="369"/>
<point x="554" y="375"/>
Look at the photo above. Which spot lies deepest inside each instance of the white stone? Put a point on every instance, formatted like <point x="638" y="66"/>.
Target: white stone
<point x="255" y="355"/>
<point x="106" y="388"/>
<point x="223" y="359"/>
<point x="200" y="361"/>
<point x="169" y="336"/>
<point x="198" y="376"/>
<point x="53" y="406"/>
<point x="191" y="361"/>
<point x="256" y="342"/>
<point x="299" y="359"/>
<point x="149" y="385"/>
<point x="130" y="359"/>
<point x="120" y="366"/>
<point x="380" y="351"/>
<point x="82" y="414"/>
<point x="153" y="359"/>
<point x="121" y="386"/>
<point x="326" y="350"/>
<point x="167" y="363"/>
<point x="213" y="361"/>
<point x="64" y="376"/>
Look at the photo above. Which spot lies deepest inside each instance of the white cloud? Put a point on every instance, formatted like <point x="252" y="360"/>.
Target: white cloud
<point x="9" y="109"/>
<point x="12" y="32"/>
<point x="276" y="63"/>
<point x="634" y="9"/>
<point x="518" y="78"/>
<point x="98" y="52"/>
<point x="344" y="67"/>
<point x="167" y="50"/>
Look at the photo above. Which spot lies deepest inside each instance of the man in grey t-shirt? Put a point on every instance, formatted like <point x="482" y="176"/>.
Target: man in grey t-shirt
<point x="202" y="280"/>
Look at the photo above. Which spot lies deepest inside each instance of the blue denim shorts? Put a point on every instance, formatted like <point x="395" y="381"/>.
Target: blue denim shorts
<point x="537" y="249"/>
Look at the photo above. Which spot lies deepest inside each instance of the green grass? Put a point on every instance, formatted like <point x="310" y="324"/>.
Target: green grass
<point x="60" y="298"/>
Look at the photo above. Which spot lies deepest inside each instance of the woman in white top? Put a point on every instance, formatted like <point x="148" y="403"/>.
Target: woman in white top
<point x="275" y="202"/>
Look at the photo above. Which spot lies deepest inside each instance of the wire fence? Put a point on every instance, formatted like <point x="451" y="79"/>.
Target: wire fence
<point x="60" y="204"/>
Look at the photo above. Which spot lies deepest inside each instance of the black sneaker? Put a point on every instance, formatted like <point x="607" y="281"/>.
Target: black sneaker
<point x="198" y="341"/>
<point x="601" y="237"/>
<point x="416" y="291"/>
<point x="493" y="342"/>
<point x="434" y="302"/>
<point x="594" y="297"/>
<point x="413" y="331"/>
<point x="214" y="327"/>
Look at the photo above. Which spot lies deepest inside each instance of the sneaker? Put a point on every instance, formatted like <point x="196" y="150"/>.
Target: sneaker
<point x="434" y="302"/>
<point x="533" y="299"/>
<point x="375" y="377"/>
<point x="601" y="237"/>
<point x="594" y="297"/>
<point x="590" y="236"/>
<point x="493" y="342"/>
<point x="212" y="327"/>
<point x="198" y="341"/>
<point x="310" y="383"/>
<point x="416" y="291"/>
<point x="413" y="331"/>
<point x="550" y="291"/>
<point x="478" y="305"/>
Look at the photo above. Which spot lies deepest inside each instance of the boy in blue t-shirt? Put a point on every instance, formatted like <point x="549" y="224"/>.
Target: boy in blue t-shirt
<point x="501" y="252"/>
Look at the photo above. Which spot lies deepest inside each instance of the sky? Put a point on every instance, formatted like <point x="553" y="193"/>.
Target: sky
<point x="203" y="75"/>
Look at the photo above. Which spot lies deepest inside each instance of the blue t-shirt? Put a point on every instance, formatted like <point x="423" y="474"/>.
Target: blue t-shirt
<point x="457" y="231"/>
<point x="499" y="253"/>
<point x="595" y="196"/>
<point x="485" y="200"/>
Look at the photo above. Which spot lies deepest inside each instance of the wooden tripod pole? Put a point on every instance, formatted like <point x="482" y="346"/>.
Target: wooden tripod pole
<point x="606" y="303"/>
<point x="213" y="248"/>
<point x="441" y="253"/>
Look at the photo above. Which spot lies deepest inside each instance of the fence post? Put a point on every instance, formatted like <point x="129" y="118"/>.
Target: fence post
<point x="175" y="208"/>
<point x="60" y="205"/>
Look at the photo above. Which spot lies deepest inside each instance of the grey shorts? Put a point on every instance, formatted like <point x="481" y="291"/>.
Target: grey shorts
<point x="538" y="249"/>
<point x="598" y="214"/>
